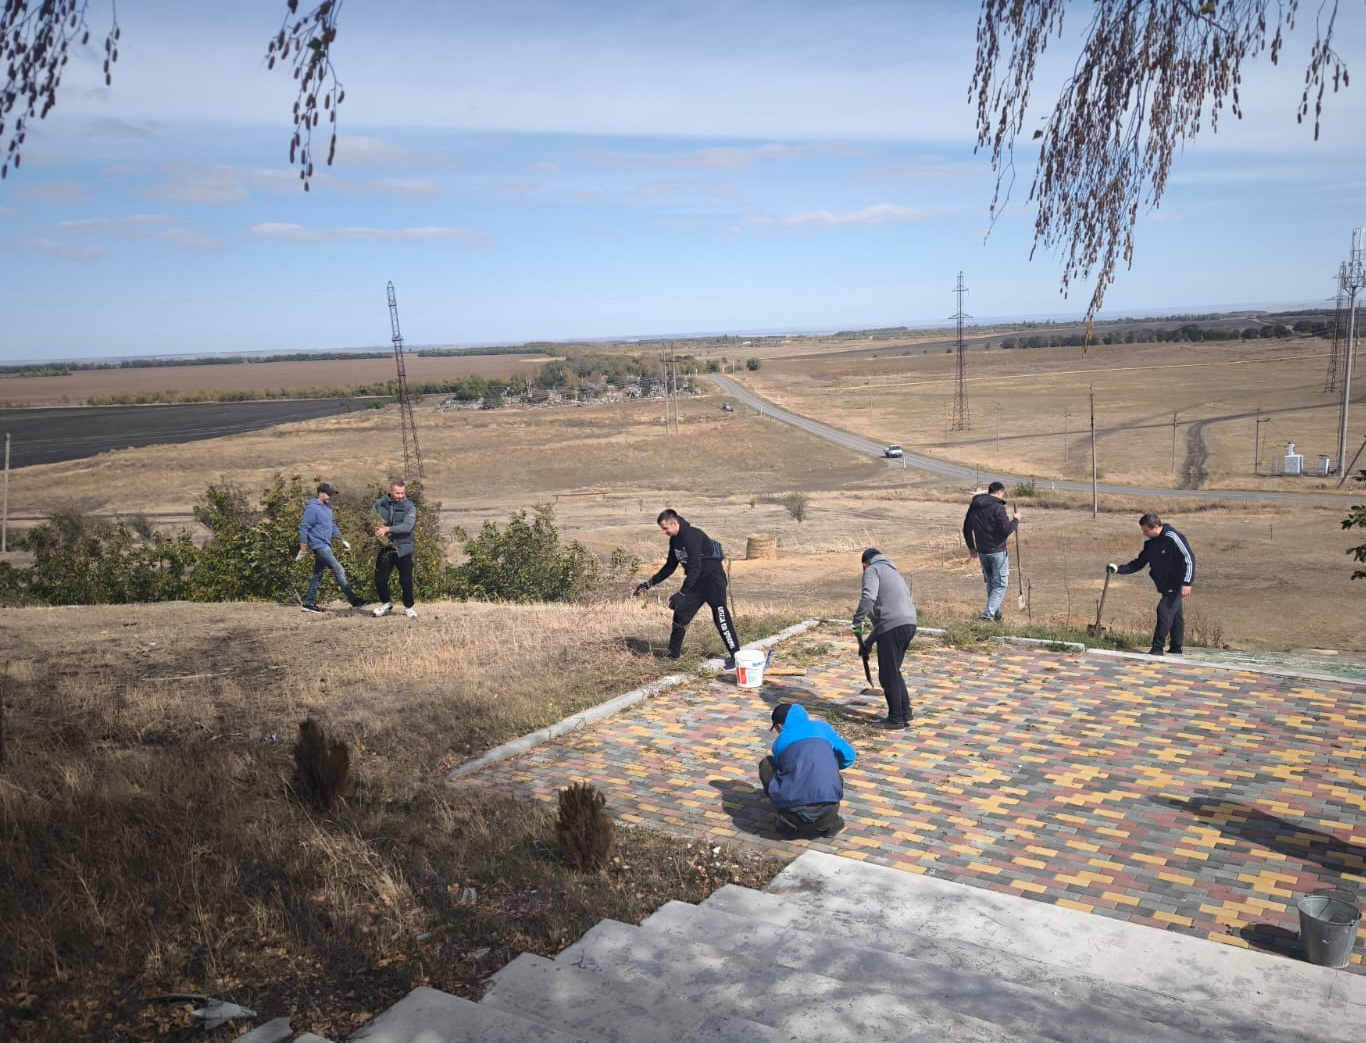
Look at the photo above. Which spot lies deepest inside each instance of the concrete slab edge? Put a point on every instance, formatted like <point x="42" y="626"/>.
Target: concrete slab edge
<point x="1242" y="668"/>
<point x="614" y="705"/>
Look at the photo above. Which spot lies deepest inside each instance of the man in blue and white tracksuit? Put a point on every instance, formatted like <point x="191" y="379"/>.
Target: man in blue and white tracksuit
<point x="316" y="532"/>
<point x="1171" y="563"/>
<point x="802" y="775"/>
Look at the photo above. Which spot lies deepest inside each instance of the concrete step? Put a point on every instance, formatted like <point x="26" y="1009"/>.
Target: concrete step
<point x="582" y="1001"/>
<point x="430" y="1016"/>
<point x="1293" y="1000"/>
<point x="801" y="1003"/>
<point x="1041" y="1008"/>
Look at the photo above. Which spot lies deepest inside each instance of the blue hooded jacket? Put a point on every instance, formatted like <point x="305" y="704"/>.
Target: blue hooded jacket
<point x="809" y="756"/>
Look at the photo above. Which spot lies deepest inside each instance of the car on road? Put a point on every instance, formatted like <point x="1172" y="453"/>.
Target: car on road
<point x="893" y="450"/>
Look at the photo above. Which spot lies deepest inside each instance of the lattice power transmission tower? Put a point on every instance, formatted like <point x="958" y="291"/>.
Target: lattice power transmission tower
<point x="1330" y="382"/>
<point x="412" y="455"/>
<point x="961" y="420"/>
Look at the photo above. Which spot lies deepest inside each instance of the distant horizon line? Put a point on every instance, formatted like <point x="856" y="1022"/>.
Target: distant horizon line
<point x="776" y="331"/>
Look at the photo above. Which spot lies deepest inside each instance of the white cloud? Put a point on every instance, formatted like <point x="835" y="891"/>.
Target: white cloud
<point x="287" y="233"/>
<point x="726" y="157"/>
<point x="354" y="150"/>
<point x="868" y="217"/>
<point x="143" y="227"/>
<point x="66" y="251"/>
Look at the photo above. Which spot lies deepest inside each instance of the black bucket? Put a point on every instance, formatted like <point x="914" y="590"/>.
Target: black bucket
<point x="1328" y="926"/>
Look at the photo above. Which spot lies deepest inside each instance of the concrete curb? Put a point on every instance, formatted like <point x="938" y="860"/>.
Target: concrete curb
<point x="596" y="713"/>
<point x="1215" y="664"/>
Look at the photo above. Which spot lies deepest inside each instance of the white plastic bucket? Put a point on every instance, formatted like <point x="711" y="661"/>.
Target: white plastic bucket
<point x="749" y="668"/>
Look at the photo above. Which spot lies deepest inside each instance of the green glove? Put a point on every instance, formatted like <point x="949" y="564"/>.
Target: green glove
<point x="1112" y="567"/>
<point x="858" y="629"/>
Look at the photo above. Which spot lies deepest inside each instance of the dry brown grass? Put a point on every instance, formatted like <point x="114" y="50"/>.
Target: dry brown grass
<point x="152" y="844"/>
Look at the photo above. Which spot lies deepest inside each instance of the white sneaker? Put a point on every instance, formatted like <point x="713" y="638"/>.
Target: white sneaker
<point x="384" y="609"/>
<point x="411" y="613"/>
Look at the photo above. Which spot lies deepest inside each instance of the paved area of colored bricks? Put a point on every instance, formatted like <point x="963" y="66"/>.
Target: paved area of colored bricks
<point x="1188" y="797"/>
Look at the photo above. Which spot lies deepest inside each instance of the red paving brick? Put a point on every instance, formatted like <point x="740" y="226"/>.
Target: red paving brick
<point x="1193" y="798"/>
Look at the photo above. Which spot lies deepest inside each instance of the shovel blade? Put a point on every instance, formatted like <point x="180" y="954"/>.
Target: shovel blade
<point x="1095" y="630"/>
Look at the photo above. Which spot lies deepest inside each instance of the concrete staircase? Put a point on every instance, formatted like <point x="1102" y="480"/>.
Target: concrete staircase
<point x="839" y="950"/>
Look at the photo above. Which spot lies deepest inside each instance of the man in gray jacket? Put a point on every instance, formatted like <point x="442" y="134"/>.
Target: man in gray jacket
<point x="398" y="518"/>
<point x="886" y="604"/>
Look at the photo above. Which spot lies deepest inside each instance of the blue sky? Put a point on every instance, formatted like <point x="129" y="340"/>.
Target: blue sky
<point x="540" y="170"/>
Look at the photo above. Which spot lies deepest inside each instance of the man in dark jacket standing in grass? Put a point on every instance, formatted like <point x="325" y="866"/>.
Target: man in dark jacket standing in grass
<point x="1171" y="564"/>
<point x="886" y="604"/>
<point x="397" y="519"/>
<point x="704" y="582"/>
<point x="986" y="528"/>
<point x="802" y="774"/>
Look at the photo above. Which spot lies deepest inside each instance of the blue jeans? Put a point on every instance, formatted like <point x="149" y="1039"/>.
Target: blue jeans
<point x="996" y="575"/>
<point x="324" y="559"/>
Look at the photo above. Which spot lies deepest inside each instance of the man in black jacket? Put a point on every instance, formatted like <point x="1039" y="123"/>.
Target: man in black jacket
<point x="1171" y="564"/>
<point x="704" y="582"/>
<point x="986" y="528"/>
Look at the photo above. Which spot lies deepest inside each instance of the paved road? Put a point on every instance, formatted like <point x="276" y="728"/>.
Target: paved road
<point x="958" y="473"/>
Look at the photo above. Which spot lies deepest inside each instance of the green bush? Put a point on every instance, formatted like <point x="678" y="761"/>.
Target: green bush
<point x="1026" y="490"/>
<point x="525" y="561"/>
<point x="796" y="504"/>
<point x="79" y="559"/>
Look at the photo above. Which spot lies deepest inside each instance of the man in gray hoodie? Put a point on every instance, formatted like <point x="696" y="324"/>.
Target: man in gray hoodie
<point x="886" y="604"/>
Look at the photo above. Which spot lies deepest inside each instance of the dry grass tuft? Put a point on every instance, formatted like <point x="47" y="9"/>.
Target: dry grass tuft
<point x="322" y="767"/>
<point x="583" y="828"/>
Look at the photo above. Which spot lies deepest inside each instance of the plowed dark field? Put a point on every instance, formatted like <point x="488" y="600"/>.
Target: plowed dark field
<point x="50" y="436"/>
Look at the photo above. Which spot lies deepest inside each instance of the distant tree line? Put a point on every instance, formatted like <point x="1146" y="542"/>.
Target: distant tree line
<point x="1188" y="332"/>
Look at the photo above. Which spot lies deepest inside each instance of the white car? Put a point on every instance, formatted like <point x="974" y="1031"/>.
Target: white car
<point x="892" y="451"/>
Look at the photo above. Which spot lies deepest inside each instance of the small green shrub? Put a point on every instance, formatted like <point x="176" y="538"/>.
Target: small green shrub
<point x="1025" y="490"/>
<point x="796" y="504"/>
<point x="525" y="561"/>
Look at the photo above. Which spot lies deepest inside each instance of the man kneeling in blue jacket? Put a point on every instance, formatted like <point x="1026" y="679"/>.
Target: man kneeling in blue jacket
<point x="802" y="775"/>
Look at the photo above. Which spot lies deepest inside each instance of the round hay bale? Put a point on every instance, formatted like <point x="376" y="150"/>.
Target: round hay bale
<point x="761" y="547"/>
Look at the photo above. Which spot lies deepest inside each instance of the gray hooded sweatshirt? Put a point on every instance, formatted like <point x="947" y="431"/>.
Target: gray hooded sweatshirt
<point x="886" y="600"/>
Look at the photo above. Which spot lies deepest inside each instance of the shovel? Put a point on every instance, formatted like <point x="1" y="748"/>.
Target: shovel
<point x="1019" y="573"/>
<point x="865" y="649"/>
<point x="1095" y="629"/>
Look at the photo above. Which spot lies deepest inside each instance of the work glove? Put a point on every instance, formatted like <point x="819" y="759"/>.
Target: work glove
<point x="346" y="547"/>
<point x="858" y="629"/>
<point x="1112" y="567"/>
<point x="675" y="600"/>
<point x="641" y="588"/>
<point x="301" y="555"/>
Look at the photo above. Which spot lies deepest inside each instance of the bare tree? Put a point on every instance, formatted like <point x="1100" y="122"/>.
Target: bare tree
<point x="1151" y="73"/>
<point x="36" y="37"/>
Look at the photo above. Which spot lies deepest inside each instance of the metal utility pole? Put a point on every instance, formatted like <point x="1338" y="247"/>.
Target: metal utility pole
<point x="961" y="421"/>
<point x="1095" y="498"/>
<point x="1330" y="383"/>
<point x="1173" y="443"/>
<point x="1352" y="278"/>
<point x="1066" y="415"/>
<point x="412" y="455"/>
<point x="4" y="511"/>
<point x="1257" y="442"/>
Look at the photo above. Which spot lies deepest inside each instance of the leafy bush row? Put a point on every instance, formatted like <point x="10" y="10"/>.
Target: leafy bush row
<point x="80" y="559"/>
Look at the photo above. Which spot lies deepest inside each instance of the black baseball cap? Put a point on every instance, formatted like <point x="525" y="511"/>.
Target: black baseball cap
<point x="779" y="716"/>
<point x="325" y="488"/>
